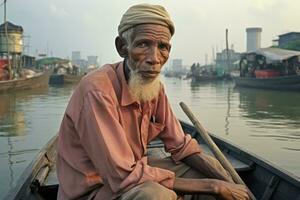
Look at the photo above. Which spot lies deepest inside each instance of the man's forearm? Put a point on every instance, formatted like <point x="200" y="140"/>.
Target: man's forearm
<point x="207" y="165"/>
<point x="212" y="168"/>
<point x="192" y="186"/>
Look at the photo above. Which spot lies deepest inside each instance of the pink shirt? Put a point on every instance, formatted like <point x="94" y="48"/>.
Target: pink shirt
<point x="104" y="135"/>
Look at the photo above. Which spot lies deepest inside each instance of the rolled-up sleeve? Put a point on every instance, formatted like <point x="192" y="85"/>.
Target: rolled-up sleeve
<point x="177" y="143"/>
<point x="104" y="140"/>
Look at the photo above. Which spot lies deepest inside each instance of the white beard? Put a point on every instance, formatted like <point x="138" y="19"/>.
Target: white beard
<point x="143" y="90"/>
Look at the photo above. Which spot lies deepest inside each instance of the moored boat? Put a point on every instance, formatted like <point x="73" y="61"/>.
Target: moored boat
<point x="206" y="73"/>
<point x="206" y="78"/>
<point x="38" y="80"/>
<point x="58" y="79"/>
<point x="276" y="83"/>
<point x="13" y="72"/>
<point x="265" y="180"/>
<point x="65" y="73"/>
<point x="69" y="78"/>
<point x="270" y="68"/>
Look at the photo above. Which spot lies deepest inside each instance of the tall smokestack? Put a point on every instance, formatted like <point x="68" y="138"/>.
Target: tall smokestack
<point x="253" y="38"/>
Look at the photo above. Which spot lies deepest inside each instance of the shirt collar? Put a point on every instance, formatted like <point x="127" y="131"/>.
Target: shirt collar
<point x="126" y="98"/>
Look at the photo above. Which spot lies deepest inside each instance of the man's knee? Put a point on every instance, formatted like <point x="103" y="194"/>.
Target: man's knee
<point x="149" y="191"/>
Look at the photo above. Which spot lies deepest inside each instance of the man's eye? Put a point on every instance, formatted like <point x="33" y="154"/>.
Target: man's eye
<point x="141" y="45"/>
<point x="163" y="47"/>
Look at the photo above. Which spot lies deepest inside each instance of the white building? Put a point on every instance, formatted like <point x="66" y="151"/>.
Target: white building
<point x="177" y="65"/>
<point x="92" y="60"/>
<point x="253" y="38"/>
<point x="75" y="56"/>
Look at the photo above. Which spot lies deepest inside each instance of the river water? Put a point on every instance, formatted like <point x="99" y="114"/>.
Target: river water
<point x="266" y="123"/>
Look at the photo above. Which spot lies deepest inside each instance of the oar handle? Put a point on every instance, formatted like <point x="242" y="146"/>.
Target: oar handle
<point x="215" y="149"/>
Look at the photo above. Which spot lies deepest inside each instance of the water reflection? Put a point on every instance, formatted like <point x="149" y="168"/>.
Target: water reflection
<point x="61" y="91"/>
<point x="28" y="119"/>
<point x="266" y="104"/>
<point x="275" y="115"/>
<point x="227" y="116"/>
<point x="219" y="92"/>
<point x="12" y="117"/>
<point x="13" y="123"/>
<point x="197" y="86"/>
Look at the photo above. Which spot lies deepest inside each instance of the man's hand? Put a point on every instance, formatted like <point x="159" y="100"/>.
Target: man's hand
<point x="220" y="189"/>
<point x="231" y="191"/>
<point x="221" y="185"/>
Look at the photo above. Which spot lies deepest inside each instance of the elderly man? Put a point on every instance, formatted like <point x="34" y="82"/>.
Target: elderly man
<point x="117" y="110"/>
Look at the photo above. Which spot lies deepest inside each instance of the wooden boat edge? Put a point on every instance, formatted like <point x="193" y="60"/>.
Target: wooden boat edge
<point x="23" y="187"/>
<point x="23" y="184"/>
<point x="249" y="157"/>
<point x="13" y="85"/>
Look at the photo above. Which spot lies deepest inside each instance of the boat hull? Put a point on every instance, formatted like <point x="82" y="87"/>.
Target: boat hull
<point x="39" y="180"/>
<point x="37" y="81"/>
<point x="206" y="78"/>
<point x="72" y="78"/>
<point x="274" y="83"/>
<point x="59" y="79"/>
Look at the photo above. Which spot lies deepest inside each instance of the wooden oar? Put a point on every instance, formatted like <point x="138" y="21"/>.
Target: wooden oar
<point x="215" y="149"/>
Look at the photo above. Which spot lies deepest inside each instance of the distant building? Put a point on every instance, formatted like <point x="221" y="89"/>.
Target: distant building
<point x="253" y="38"/>
<point x="92" y="60"/>
<point x="177" y="65"/>
<point x="28" y="61"/>
<point x="286" y="38"/>
<point x="221" y="60"/>
<point x="11" y="46"/>
<point x="77" y="61"/>
<point x="175" y="69"/>
<point x="82" y="64"/>
<point x="76" y="56"/>
<point x="14" y="45"/>
<point x="275" y="42"/>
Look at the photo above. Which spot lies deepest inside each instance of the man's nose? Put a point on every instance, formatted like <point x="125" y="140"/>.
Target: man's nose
<point x="153" y="56"/>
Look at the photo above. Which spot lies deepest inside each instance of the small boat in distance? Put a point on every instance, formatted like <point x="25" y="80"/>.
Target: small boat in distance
<point x="14" y="74"/>
<point x="270" y="68"/>
<point x="266" y="181"/>
<point x="206" y="73"/>
<point x="37" y="80"/>
<point x="58" y="79"/>
<point x="65" y="73"/>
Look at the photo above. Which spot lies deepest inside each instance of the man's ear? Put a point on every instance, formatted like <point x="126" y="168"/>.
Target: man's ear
<point x="121" y="47"/>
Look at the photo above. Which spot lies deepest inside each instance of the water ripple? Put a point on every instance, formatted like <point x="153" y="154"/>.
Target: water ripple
<point x="20" y="152"/>
<point x="292" y="149"/>
<point x="276" y="136"/>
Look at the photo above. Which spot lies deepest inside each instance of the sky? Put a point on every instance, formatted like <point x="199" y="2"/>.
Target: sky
<point x="58" y="27"/>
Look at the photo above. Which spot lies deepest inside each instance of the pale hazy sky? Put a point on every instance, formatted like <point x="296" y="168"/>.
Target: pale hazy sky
<point x="90" y="26"/>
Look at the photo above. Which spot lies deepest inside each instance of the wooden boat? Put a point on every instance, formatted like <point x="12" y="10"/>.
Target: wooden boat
<point x="64" y="72"/>
<point x="291" y="82"/>
<point x="58" y="79"/>
<point x="270" y="68"/>
<point x="69" y="78"/>
<point x="266" y="181"/>
<point x="175" y="74"/>
<point x="36" y="81"/>
<point x="206" y="78"/>
<point x="206" y="73"/>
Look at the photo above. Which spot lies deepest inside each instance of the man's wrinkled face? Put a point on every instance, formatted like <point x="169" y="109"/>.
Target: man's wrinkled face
<point x="149" y="50"/>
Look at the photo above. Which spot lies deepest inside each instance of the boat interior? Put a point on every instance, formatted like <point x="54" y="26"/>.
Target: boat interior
<point x="263" y="180"/>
